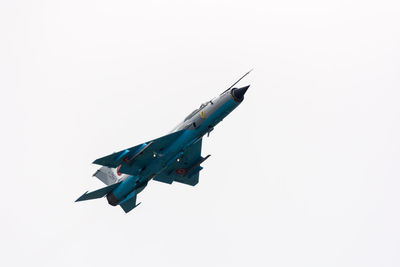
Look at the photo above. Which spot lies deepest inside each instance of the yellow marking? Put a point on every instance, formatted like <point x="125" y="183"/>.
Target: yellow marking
<point x="202" y="114"/>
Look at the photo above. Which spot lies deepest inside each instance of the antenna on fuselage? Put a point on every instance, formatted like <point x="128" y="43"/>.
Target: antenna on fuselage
<point x="238" y="80"/>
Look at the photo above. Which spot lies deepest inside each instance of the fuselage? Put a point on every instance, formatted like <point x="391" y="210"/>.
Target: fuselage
<point x="198" y="123"/>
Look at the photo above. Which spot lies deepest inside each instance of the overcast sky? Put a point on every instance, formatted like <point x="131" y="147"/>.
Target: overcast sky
<point x="304" y="173"/>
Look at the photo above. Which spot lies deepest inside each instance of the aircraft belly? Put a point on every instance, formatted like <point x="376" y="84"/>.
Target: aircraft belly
<point x="125" y="187"/>
<point x="175" y="157"/>
<point x="222" y="112"/>
<point x="186" y="138"/>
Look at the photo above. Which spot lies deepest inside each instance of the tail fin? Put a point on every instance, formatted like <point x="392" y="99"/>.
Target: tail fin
<point x="99" y="193"/>
<point x="129" y="203"/>
<point x="107" y="175"/>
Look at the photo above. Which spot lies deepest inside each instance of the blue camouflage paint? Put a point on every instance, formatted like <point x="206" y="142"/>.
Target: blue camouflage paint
<point x="168" y="150"/>
<point x="123" y="154"/>
<point x="186" y="139"/>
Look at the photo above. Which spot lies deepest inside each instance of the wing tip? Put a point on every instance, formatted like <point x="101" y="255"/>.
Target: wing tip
<point x="81" y="198"/>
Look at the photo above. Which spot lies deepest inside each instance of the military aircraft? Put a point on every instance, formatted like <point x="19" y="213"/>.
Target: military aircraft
<point x="175" y="157"/>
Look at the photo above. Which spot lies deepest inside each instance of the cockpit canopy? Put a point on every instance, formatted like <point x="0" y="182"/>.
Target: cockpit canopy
<point x="194" y="112"/>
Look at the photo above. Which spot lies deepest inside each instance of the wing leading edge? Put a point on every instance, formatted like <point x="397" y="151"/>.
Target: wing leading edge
<point x="136" y="157"/>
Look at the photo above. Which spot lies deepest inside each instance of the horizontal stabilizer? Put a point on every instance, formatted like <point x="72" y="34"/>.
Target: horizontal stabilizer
<point x="99" y="193"/>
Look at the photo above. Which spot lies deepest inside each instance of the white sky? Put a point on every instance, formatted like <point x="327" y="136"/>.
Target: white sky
<point x="304" y="173"/>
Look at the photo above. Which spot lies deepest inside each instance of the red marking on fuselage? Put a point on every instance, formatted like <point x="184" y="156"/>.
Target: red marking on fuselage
<point x="181" y="171"/>
<point x="119" y="174"/>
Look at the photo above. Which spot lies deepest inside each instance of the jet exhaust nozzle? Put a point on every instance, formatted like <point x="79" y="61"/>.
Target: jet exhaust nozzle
<point x="112" y="200"/>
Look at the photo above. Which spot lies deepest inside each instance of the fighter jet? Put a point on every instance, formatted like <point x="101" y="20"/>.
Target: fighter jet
<point x="175" y="157"/>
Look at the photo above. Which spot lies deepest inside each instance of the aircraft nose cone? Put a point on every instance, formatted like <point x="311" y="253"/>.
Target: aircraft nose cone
<point x="238" y="93"/>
